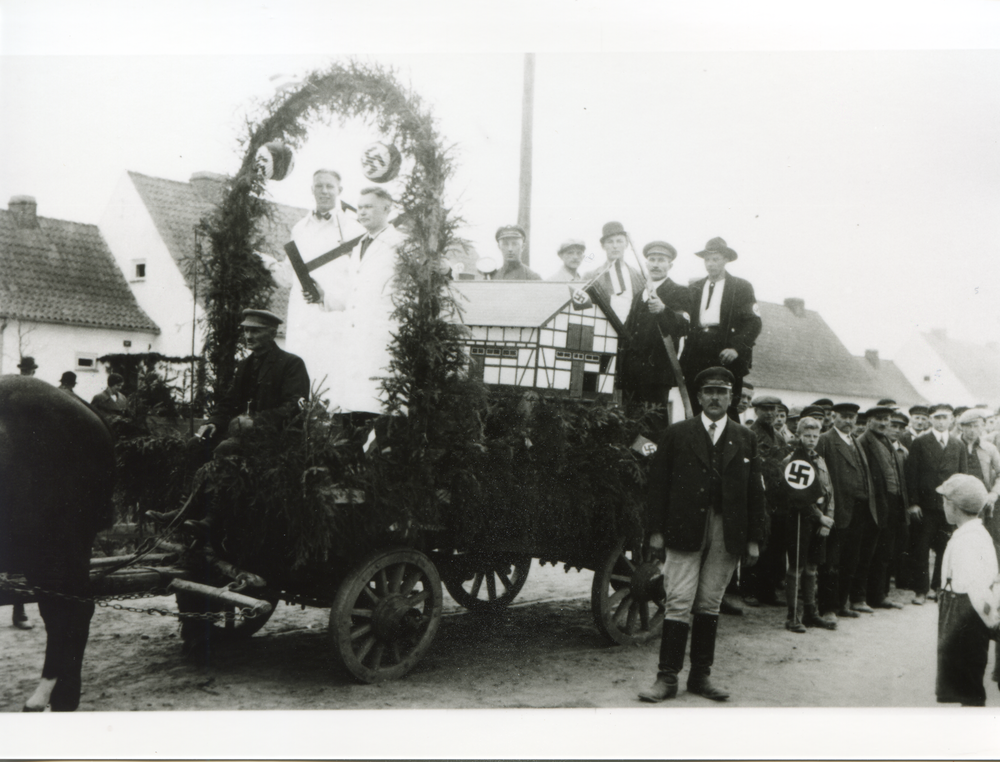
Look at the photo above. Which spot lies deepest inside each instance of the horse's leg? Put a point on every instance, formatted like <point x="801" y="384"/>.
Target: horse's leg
<point x="40" y="698"/>
<point x="66" y="695"/>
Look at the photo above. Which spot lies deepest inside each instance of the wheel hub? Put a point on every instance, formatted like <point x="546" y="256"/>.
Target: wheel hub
<point x="394" y="618"/>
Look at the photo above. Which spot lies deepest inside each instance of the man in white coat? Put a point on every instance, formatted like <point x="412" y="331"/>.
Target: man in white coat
<point x="368" y="307"/>
<point x="315" y="328"/>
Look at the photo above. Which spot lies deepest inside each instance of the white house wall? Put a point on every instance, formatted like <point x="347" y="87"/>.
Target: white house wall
<point x="57" y="348"/>
<point x="131" y="234"/>
<point x="927" y="373"/>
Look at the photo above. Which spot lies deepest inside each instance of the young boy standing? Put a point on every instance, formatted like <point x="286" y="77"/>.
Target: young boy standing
<point x="970" y="595"/>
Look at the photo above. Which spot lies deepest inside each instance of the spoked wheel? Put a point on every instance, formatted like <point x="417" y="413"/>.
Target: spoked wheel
<point x="232" y="628"/>
<point x="487" y="583"/>
<point x="386" y="615"/>
<point x="627" y="597"/>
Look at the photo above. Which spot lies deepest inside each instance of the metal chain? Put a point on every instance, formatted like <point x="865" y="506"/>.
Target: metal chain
<point x="106" y="601"/>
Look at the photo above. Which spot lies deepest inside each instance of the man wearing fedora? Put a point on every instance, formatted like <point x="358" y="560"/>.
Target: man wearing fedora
<point x="67" y="382"/>
<point x="706" y="507"/>
<point x="725" y="321"/>
<point x="571" y="253"/>
<point x="510" y="239"/>
<point x="621" y="285"/>
<point x="27" y="366"/>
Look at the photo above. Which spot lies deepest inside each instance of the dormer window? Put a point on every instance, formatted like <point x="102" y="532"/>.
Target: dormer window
<point x="138" y="269"/>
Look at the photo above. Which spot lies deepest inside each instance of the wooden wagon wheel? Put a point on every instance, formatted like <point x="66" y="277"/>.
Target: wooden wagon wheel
<point x="627" y="597"/>
<point x="495" y="581"/>
<point x="386" y="614"/>
<point x="238" y="628"/>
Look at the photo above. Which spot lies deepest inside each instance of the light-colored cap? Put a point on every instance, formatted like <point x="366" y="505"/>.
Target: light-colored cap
<point x="572" y="243"/>
<point x="965" y="492"/>
<point x="260" y="319"/>
<point x="971" y="416"/>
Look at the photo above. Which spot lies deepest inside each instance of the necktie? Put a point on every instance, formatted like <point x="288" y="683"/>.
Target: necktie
<point x="322" y="215"/>
<point x="365" y="243"/>
<point x="711" y="290"/>
<point x="620" y="287"/>
<point x="711" y="431"/>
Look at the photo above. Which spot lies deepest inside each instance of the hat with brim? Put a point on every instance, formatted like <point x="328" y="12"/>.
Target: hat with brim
<point x="659" y="247"/>
<point x="260" y="319"/>
<point x="971" y="416"/>
<point x="68" y="378"/>
<point x="878" y="412"/>
<point x="717" y="246"/>
<point x="610" y="229"/>
<point x="941" y="407"/>
<point x="783" y="407"/>
<point x="27" y="363"/>
<point x="766" y="400"/>
<point x="965" y="492"/>
<point x="824" y="403"/>
<point x="813" y="411"/>
<point x="846" y="408"/>
<point x="511" y="231"/>
<point x="920" y="410"/>
<point x="900" y="418"/>
<point x="715" y="377"/>
<point x="571" y="244"/>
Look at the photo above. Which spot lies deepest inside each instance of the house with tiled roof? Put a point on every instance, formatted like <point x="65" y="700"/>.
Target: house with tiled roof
<point x="891" y="381"/>
<point x="63" y="300"/>
<point x="945" y="369"/>
<point x="149" y="226"/>
<point x="799" y="359"/>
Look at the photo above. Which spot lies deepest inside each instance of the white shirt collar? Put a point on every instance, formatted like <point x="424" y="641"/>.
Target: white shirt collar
<point x="720" y="425"/>
<point x="845" y="437"/>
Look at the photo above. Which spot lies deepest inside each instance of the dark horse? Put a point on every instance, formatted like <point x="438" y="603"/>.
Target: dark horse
<point x="56" y="479"/>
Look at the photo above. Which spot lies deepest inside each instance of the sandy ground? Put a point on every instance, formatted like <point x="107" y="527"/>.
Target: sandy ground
<point x="543" y="652"/>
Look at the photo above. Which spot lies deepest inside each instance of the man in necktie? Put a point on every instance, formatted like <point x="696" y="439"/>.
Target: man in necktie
<point x="725" y="321"/>
<point x="621" y="285"/>
<point x="706" y="507"/>
<point x="315" y="325"/>
<point x="934" y="456"/>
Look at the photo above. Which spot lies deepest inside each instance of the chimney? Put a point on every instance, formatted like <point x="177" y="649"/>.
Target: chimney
<point x="797" y="306"/>
<point x="23" y="208"/>
<point x="871" y="355"/>
<point x="209" y="185"/>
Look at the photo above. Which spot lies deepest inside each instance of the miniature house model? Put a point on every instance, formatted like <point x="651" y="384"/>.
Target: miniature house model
<point x="526" y="334"/>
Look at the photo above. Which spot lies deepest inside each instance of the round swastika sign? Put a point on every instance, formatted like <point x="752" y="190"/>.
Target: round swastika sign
<point x="800" y="474"/>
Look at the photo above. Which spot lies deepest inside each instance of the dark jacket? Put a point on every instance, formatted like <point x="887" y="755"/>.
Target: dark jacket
<point x="271" y="394"/>
<point x="106" y="405"/>
<point x="646" y="361"/>
<point x="928" y="466"/>
<point x="879" y="481"/>
<point x="739" y="320"/>
<point x="679" y="500"/>
<point x="847" y="480"/>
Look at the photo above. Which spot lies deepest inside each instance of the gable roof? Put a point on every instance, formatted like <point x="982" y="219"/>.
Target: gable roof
<point x="977" y="366"/>
<point x="176" y="207"/>
<point x="798" y="351"/>
<point x="509" y="302"/>
<point x="63" y="272"/>
<point x="891" y="382"/>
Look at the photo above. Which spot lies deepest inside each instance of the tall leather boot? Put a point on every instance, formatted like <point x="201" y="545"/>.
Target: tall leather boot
<point x="703" y="632"/>
<point x="793" y="623"/>
<point x="673" y="643"/>
<point x="811" y="618"/>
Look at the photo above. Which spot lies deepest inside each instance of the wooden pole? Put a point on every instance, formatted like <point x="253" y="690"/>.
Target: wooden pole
<point x="524" y="194"/>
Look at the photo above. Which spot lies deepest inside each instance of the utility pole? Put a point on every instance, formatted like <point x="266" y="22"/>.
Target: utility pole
<point x="524" y="194"/>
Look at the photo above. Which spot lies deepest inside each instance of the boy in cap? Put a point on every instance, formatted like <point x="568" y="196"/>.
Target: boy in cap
<point x="571" y="253"/>
<point x="969" y="603"/>
<point x="706" y="507"/>
<point x="510" y="239"/>
<point x="725" y="321"/>
<point x="807" y="495"/>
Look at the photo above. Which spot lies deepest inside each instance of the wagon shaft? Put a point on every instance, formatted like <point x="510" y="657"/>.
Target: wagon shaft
<point x="222" y="595"/>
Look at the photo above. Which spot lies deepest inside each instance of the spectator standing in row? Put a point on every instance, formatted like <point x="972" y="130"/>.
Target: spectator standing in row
<point x="510" y="239"/>
<point x="725" y="322"/>
<point x="621" y="287"/>
<point x="934" y="456"/>
<point x="920" y="422"/>
<point x="571" y="253"/>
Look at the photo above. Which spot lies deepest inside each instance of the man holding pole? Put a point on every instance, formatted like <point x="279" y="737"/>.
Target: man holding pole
<point x="725" y="322"/>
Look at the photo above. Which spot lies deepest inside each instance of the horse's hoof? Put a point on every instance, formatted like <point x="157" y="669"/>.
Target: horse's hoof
<point x="33" y="708"/>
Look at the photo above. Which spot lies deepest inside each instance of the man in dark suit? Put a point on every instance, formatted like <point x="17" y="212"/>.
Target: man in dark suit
<point x="879" y="542"/>
<point x="661" y="310"/>
<point x="854" y="509"/>
<point x="706" y="507"/>
<point x="934" y="456"/>
<point x="725" y="322"/>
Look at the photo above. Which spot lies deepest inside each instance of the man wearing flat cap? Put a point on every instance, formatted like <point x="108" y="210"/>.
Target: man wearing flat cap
<point x="571" y="253"/>
<point x="268" y="383"/>
<point x="510" y="239"/>
<point x="661" y="311"/>
<point x="725" y="321"/>
<point x="706" y="507"/>
<point x="854" y="509"/>
<point x="934" y="456"/>
<point x="920" y="422"/>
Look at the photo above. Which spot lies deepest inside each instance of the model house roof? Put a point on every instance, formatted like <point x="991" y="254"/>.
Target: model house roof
<point x="176" y="207"/>
<point x="55" y="271"/>
<point x="798" y="351"/>
<point x="524" y="303"/>
<point x="977" y="366"/>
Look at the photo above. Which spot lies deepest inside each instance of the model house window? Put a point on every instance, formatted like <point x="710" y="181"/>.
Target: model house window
<point x="138" y="269"/>
<point x="86" y="361"/>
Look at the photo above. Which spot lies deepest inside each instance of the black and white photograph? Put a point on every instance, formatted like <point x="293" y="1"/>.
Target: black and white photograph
<point x="470" y="380"/>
